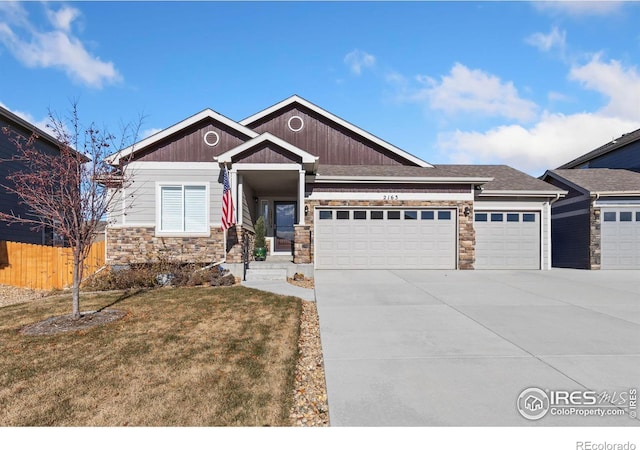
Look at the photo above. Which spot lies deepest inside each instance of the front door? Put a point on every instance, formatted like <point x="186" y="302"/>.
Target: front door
<point x="285" y="218"/>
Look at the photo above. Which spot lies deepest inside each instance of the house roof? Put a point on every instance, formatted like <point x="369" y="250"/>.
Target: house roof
<point x="600" y="181"/>
<point x="394" y="173"/>
<point x="202" y="115"/>
<point x="620" y="142"/>
<point x="318" y="110"/>
<point x="506" y="180"/>
<point x="31" y="128"/>
<point x="494" y="179"/>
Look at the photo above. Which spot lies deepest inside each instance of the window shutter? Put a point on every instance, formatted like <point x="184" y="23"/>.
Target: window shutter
<point x="195" y="208"/>
<point x="171" y="208"/>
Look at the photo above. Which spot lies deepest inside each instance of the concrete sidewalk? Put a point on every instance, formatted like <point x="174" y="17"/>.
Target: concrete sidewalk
<point x="434" y="348"/>
<point x="282" y="288"/>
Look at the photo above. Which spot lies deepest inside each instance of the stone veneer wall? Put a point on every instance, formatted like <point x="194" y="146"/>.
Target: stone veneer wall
<point x="594" y="238"/>
<point x="137" y="245"/>
<point x="466" y="232"/>
<point x="302" y="244"/>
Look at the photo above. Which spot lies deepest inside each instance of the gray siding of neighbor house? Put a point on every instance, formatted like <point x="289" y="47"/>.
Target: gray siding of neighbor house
<point x="571" y="229"/>
<point x="9" y="203"/>
<point x="570" y="241"/>
<point x="140" y="197"/>
<point x="623" y="158"/>
<point x="321" y="137"/>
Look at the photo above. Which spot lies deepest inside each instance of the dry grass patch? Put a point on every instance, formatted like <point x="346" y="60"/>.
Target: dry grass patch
<point x="181" y="357"/>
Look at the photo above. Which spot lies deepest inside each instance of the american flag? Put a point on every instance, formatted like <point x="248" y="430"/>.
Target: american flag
<point x="227" y="202"/>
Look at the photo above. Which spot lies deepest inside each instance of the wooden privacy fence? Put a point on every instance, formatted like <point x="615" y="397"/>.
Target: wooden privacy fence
<point x="42" y="267"/>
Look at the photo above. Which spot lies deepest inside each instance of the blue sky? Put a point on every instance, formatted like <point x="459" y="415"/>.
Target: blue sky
<point x="528" y="84"/>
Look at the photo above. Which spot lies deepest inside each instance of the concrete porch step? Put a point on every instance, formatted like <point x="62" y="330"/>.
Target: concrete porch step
<point x="263" y="274"/>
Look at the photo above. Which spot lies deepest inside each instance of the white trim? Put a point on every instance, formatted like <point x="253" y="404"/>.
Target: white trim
<point x="233" y="182"/>
<point x="384" y="179"/>
<point x="379" y="196"/>
<point x="307" y="158"/>
<point x="158" y="192"/>
<point x="300" y="200"/>
<point x="296" y="99"/>
<point x="546" y="213"/>
<point x="172" y="165"/>
<point x="505" y="193"/>
<point x="207" y="113"/>
<point x="240" y="208"/>
<point x="506" y="208"/>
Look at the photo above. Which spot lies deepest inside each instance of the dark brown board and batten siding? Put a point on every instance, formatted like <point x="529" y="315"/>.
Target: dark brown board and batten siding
<point x="188" y="144"/>
<point x="332" y="143"/>
<point x="267" y="154"/>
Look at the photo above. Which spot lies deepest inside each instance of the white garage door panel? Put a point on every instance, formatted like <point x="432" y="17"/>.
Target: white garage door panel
<point x="620" y="238"/>
<point x="406" y="243"/>
<point x="510" y="243"/>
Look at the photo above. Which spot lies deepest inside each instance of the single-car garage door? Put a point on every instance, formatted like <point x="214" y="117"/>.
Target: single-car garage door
<point x="385" y="239"/>
<point x="507" y="240"/>
<point x="620" y="238"/>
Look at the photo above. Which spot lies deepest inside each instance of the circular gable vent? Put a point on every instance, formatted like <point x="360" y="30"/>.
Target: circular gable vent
<point x="211" y="138"/>
<point x="295" y="123"/>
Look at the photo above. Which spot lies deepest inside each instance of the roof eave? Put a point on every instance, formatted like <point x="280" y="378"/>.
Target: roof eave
<point x="519" y="193"/>
<point x="383" y="179"/>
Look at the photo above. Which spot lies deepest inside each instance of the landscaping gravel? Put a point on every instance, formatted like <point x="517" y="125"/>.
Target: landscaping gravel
<point x="10" y="295"/>
<point x="310" y="408"/>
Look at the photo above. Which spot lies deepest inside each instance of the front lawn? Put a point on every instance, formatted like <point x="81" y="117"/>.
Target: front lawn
<point x="181" y="357"/>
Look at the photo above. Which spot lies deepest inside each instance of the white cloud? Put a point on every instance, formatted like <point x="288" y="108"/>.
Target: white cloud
<point x="619" y="84"/>
<point x="57" y="48"/>
<point x="63" y="18"/>
<point x="554" y="140"/>
<point x="473" y="91"/>
<point x="546" y="42"/>
<point x="579" y="8"/>
<point x="358" y="60"/>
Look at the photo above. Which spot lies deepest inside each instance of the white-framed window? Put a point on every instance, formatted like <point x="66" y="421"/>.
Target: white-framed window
<point x="182" y="208"/>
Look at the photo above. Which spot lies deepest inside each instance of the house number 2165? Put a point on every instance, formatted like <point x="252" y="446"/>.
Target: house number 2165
<point x="390" y="197"/>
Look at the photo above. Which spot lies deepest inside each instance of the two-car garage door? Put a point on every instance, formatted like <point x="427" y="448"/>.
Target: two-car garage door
<point x="385" y="238"/>
<point x="423" y="239"/>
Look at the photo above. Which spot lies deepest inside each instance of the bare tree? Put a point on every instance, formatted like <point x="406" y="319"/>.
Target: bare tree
<point x="70" y="191"/>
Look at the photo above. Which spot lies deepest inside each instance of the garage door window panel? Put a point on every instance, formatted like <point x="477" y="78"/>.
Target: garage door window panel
<point x="359" y="215"/>
<point x="626" y="216"/>
<point x="393" y="215"/>
<point x="609" y="216"/>
<point x="496" y="217"/>
<point x="444" y="215"/>
<point x="427" y="215"/>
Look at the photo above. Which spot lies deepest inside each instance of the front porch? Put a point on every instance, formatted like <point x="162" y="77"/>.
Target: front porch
<point x="267" y="178"/>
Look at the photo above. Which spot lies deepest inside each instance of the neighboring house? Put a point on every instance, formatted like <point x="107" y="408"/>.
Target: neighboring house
<point x="332" y="195"/>
<point x="597" y="225"/>
<point x="9" y="203"/>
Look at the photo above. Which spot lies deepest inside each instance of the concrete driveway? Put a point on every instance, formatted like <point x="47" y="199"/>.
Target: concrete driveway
<point x="437" y="348"/>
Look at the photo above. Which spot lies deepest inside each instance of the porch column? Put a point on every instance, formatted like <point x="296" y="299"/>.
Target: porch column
<point x="240" y="204"/>
<point x="233" y="181"/>
<point x="301" y="197"/>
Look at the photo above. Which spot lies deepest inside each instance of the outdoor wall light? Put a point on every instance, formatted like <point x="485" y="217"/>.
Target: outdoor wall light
<point x="306" y="209"/>
<point x="467" y="211"/>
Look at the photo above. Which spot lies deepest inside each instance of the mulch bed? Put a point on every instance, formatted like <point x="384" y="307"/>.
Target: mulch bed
<point x="66" y="323"/>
